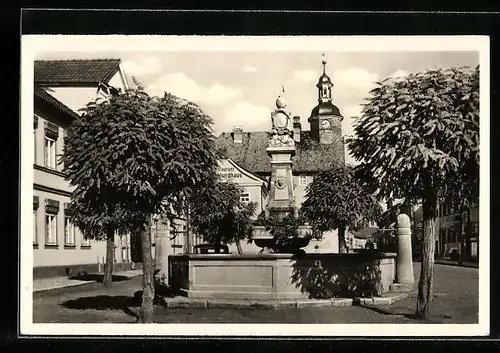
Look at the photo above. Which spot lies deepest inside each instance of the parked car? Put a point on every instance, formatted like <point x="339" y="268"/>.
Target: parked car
<point x="454" y="255"/>
<point x="211" y="249"/>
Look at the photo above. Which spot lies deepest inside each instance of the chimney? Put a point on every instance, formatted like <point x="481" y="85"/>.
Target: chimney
<point x="237" y="134"/>
<point x="297" y="128"/>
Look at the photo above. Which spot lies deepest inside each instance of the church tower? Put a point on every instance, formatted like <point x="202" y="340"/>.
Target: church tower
<point x="325" y="119"/>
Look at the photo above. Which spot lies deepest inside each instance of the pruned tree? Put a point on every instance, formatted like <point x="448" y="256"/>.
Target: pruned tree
<point x="218" y="215"/>
<point x="418" y="139"/>
<point x="129" y="154"/>
<point x="337" y="200"/>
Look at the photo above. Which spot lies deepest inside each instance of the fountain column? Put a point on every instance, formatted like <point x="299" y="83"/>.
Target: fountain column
<point x="281" y="149"/>
<point x="281" y="203"/>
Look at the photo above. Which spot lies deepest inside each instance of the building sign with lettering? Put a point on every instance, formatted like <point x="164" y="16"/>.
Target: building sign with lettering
<point x="228" y="173"/>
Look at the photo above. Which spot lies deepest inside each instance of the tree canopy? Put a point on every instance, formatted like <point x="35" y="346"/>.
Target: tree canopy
<point x="129" y="154"/>
<point x="218" y="215"/>
<point x="420" y="134"/>
<point x="336" y="199"/>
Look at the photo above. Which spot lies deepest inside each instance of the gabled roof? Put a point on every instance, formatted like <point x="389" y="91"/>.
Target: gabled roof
<point x="251" y="154"/>
<point x="247" y="173"/>
<point x="45" y="96"/>
<point x="64" y="72"/>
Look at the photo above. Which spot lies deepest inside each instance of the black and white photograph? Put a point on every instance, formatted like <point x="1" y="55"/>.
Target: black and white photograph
<point x="239" y="185"/>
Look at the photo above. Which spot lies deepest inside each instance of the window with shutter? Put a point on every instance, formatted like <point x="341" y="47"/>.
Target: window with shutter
<point x="50" y="153"/>
<point x="69" y="231"/>
<point x="50" y="229"/>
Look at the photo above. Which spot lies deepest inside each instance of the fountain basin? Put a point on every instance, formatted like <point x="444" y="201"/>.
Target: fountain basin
<point x="281" y="276"/>
<point x="261" y="237"/>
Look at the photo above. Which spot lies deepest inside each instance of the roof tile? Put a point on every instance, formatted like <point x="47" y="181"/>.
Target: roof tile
<point x="251" y="154"/>
<point x="74" y="71"/>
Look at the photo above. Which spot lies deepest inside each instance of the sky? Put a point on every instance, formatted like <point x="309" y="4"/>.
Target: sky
<point x="240" y="88"/>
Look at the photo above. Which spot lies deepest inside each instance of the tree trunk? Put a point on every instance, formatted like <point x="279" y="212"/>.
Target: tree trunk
<point x="110" y="250"/>
<point x="148" y="288"/>
<point x="425" y="284"/>
<point x="158" y="252"/>
<point x="238" y="246"/>
<point x="342" y="245"/>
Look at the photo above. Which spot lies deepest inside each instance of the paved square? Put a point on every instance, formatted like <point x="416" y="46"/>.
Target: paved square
<point x="456" y="301"/>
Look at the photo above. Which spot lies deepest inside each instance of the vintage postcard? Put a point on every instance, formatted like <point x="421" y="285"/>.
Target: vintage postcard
<point x="207" y="185"/>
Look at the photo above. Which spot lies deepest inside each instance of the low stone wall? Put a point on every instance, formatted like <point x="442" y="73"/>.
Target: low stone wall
<point x="281" y="276"/>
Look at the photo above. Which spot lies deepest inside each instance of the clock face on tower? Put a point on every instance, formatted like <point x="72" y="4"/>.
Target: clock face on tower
<point x="325" y="124"/>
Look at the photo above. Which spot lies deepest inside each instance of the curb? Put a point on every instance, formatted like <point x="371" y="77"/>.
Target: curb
<point x="73" y="285"/>
<point x="264" y="304"/>
<point x="457" y="265"/>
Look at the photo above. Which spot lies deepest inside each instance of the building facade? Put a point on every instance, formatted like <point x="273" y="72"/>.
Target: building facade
<point x="318" y="148"/>
<point x="61" y="88"/>
<point x="452" y="227"/>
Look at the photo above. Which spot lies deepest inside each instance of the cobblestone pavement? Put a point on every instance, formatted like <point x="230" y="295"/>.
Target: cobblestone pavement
<point x="456" y="301"/>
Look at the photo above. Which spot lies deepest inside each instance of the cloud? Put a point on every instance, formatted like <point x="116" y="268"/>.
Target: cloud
<point x="147" y="66"/>
<point x="251" y="117"/>
<point x="184" y="87"/>
<point x="249" y="69"/>
<point x="352" y="86"/>
<point x="399" y="74"/>
<point x="304" y="76"/>
<point x="355" y="79"/>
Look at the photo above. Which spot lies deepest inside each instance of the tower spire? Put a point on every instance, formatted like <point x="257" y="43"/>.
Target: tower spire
<point x="324" y="63"/>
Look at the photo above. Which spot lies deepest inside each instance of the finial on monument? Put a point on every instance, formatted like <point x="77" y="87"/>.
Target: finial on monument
<point x="280" y="102"/>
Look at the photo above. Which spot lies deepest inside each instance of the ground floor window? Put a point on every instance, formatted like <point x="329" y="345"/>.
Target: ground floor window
<point x="474" y="249"/>
<point x="475" y="228"/>
<point x="85" y="241"/>
<point x="125" y="254"/>
<point x="69" y="232"/>
<point x="50" y="229"/>
<point x="35" y="241"/>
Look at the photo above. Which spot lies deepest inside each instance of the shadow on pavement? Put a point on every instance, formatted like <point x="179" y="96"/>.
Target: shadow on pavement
<point x="103" y="302"/>
<point x="97" y="278"/>
<point x="406" y="315"/>
<point x="388" y="312"/>
<point x="167" y="292"/>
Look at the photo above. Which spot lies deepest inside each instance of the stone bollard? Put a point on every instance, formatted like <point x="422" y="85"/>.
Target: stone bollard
<point x="404" y="263"/>
<point x="162" y="245"/>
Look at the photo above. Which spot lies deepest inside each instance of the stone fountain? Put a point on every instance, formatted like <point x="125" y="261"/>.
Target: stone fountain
<point x="281" y="149"/>
<point x="284" y="274"/>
